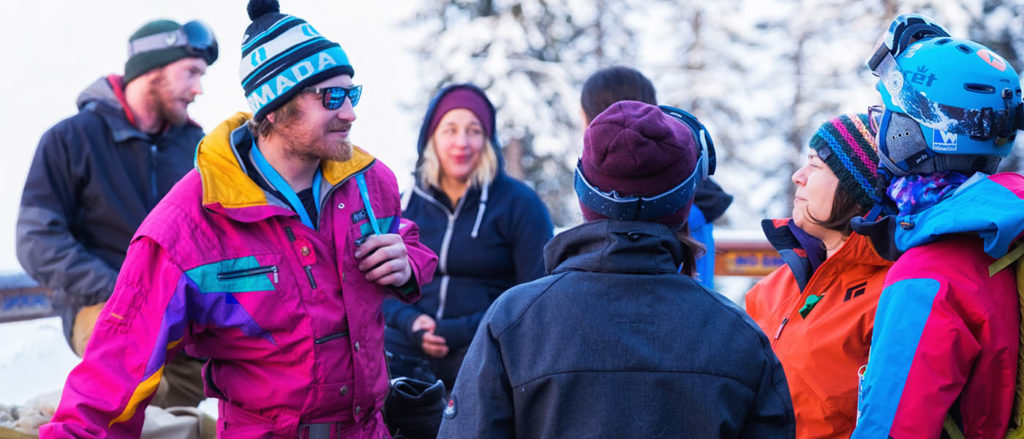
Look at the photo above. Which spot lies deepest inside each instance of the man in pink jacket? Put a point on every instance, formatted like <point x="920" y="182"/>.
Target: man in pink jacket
<point x="271" y="259"/>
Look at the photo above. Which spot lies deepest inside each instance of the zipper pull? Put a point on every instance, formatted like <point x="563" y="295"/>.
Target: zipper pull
<point x="274" y="269"/>
<point x="783" y="325"/>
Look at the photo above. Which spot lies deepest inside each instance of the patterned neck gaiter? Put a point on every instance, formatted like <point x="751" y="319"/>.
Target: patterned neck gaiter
<point x="914" y="193"/>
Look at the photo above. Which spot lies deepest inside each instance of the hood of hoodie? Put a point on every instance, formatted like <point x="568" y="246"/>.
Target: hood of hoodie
<point x="991" y="207"/>
<point x="421" y="143"/>
<point x="105" y="98"/>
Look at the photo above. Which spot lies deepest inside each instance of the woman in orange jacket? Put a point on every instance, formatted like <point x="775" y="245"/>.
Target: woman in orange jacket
<point x="818" y="310"/>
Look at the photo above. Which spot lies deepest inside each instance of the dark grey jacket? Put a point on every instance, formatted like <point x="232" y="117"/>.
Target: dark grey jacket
<point x="614" y="343"/>
<point x="92" y="181"/>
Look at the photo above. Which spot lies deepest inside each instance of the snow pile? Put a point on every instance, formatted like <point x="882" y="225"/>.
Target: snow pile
<point x="29" y="417"/>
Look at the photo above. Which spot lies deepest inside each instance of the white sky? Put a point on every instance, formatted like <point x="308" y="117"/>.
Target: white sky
<point x="54" y="49"/>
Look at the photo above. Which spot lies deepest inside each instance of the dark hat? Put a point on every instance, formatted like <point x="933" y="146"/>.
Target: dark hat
<point x="635" y="149"/>
<point x="281" y="55"/>
<point x="142" y="62"/>
<point x="468" y="98"/>
<point x="846" y="143"/>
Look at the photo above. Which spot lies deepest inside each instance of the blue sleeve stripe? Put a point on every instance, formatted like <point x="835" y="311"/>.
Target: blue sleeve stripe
<point x="903" y="311"/>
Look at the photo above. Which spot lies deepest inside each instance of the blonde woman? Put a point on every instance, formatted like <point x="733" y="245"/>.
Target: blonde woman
<point x="487" y="228"/>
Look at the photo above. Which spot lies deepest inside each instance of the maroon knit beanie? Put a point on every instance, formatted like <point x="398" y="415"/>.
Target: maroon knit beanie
<point x="463" y="98"/>
<point x="635" y="149"/>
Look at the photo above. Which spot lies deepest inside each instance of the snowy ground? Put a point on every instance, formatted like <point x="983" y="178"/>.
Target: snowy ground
<point x="34" y="359"/>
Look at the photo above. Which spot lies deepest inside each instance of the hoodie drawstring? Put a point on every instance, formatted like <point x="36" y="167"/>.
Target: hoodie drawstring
<point x="480" y="211"/>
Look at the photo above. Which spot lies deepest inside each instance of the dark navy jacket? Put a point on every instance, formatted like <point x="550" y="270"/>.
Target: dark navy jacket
<point x="93" y="180"/>
<point x="491" y="240"/>
<point x="614" y="343"/>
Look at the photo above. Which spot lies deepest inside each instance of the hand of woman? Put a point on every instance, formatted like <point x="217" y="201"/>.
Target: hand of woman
<point x="433" y="344"/>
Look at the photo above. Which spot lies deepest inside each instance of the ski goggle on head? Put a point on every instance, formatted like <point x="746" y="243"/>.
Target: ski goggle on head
<point x="646" y="208"/>
<point x="195" y="37"/>
<point x="334" y="97"/>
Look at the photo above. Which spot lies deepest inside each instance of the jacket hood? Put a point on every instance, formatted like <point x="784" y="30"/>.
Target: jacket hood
<point x="989" y="206"/>
<point x="425" y="136"/>
<point x="101" y="92"/>
<point x="226" y="183"/>
<point x="105" y="98"/>
<point x="612" y="246"/>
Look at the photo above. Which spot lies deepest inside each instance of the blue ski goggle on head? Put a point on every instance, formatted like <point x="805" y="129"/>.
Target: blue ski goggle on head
<point x="195" y="37"/>
<point x="640" y="208"/>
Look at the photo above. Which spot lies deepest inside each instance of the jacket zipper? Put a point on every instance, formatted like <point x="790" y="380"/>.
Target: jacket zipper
<point x="778" y="332"/>
<point x="152" y="175"/>
<point x="328" y="338"/>
<point x="248" y="272"/>
<point x="445" y="246"/>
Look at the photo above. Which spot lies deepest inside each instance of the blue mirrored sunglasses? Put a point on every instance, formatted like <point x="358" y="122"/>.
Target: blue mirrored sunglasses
<point x="334" y="97"/>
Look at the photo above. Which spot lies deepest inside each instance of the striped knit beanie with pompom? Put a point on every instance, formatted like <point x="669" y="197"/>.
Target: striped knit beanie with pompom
<point x="281" y="55"/>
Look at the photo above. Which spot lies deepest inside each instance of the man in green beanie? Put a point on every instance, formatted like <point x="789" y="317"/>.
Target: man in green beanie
<point x="97" y="174"/>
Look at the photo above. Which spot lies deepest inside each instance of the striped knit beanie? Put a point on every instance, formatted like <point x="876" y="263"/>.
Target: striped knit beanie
<point x="281" y="55"/>
<point x="846" y="144"/>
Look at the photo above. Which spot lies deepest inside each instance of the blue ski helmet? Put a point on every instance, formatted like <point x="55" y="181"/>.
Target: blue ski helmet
<point x="949" y="104"/>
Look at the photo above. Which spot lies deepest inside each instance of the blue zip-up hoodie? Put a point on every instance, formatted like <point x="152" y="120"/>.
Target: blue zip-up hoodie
<point x="488" y="242"/>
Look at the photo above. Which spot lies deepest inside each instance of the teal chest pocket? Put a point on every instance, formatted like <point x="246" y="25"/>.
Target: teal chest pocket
<point x="239" y="275"/>
<point x="366" y="229"/>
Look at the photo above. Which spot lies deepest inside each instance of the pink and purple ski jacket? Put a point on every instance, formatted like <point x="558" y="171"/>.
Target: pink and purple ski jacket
<point x="293" y="331"/>
<point x="946" y="332"/>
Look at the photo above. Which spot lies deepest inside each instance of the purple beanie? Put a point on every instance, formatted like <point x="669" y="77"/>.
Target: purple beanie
<point x="461" y="97"/>
<point x="635" y="149"/>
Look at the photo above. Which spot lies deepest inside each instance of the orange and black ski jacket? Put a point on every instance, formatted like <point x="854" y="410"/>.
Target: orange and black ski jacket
<point x="819" y="319"/>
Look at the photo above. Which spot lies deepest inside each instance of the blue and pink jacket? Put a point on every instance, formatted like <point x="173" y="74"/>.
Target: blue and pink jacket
<point x="946" y="332"/>
<point x="292" y="330"/>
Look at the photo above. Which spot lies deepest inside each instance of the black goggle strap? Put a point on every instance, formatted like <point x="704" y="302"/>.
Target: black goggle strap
<point x="699" y="132"/>
<point x="633" y="208"/>
<point x="985" y="123"/>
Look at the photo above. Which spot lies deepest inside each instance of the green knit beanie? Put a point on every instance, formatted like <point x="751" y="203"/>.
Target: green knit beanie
<point x="143" y="62"/>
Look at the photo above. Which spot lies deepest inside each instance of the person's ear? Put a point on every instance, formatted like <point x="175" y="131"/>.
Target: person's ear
<point x="583" y="116"/>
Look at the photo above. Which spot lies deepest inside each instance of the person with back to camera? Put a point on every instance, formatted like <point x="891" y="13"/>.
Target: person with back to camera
<point x="818" y="309"/>
<point x="487" y="229"/>
<point x="614" y="342"/>
<point x="97" y="174"/>
<point x="618" y="83"/>
<point x="271" y="259"/>
<point x="944" y="353"/>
